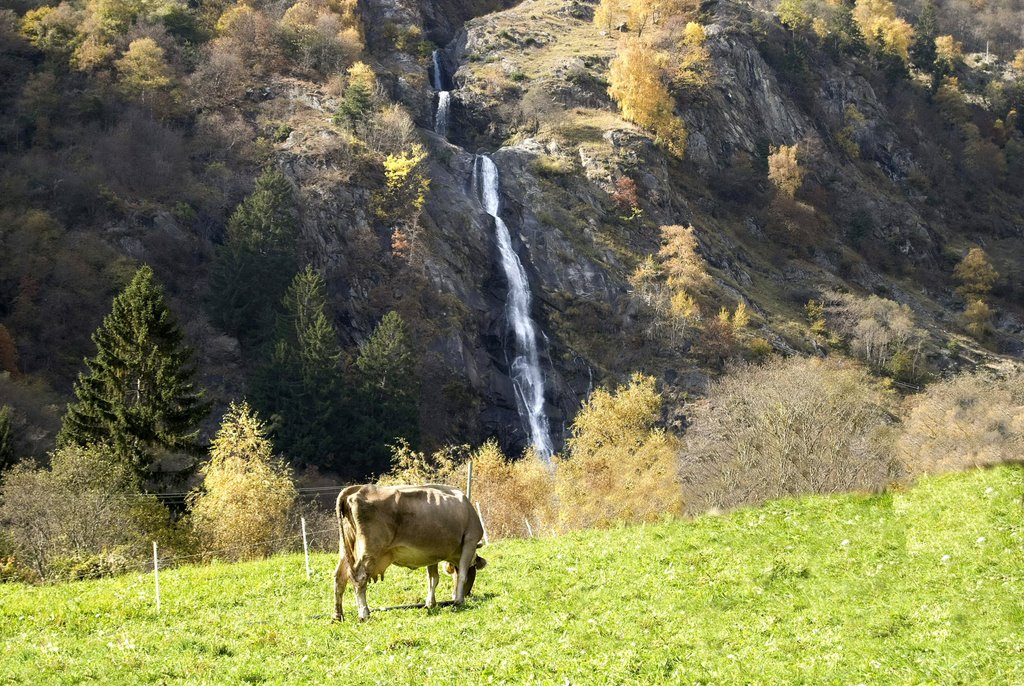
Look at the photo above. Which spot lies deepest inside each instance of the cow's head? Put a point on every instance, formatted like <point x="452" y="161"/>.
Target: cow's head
<point x="478" y="563"/>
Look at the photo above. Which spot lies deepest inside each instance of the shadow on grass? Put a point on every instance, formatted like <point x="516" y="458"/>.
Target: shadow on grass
<point x="421" y="606"/>
<point x="439" y="604"/>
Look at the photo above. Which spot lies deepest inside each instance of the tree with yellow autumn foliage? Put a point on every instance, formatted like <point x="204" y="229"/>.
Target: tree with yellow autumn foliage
<point x="882" y="29"/>
<point x="784" y="169"/>
<point x="684" y="267"/>
<point x="693" y="60"/>
<point x="247" y="491"/>
<point x="975" y="274"/>
<point x="636" y="85"/>
<point x="143" y="70"/>
<point x="619" y="465"/>
<point x="949" y="53"/>
<point x="401" y="202"/>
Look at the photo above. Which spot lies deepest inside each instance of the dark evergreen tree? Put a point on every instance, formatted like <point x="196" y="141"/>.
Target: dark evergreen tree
<point x="266" y="221"/>
<point x="253" y="267"/>
<point x="7" y="455"/>
<point x="887" y="61"/>
<point x="139" y="393"/>
<point x="844" y="35"/>
<point x="299" y="385"/>
<point x="922" y="50"/>
<point x="386" y="402"/>
<point x="355" y="105"/>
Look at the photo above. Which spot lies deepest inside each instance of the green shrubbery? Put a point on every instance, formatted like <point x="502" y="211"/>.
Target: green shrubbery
<point x="81" y="516"/>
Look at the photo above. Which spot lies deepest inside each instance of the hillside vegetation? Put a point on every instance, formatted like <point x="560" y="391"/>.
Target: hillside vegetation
<point x="916" y="586"/>
<point x="275" y="164"/>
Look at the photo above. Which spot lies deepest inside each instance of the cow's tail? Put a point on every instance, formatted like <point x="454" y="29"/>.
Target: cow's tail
<point x="344" y="570"/>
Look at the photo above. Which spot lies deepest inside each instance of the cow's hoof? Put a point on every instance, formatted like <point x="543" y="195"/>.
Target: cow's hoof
<point x="338" y="617"/>
<point x="363" y="618"/>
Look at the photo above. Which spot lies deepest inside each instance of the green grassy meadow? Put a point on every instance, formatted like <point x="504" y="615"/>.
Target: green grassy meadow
<point x="824" y="590"/>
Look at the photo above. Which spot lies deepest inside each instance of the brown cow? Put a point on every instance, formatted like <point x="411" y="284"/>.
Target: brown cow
<point x="410" y="526"/>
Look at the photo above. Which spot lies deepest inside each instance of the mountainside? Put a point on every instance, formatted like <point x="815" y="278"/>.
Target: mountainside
<point x="894" y="173"/>
<point x="842" y="589"/>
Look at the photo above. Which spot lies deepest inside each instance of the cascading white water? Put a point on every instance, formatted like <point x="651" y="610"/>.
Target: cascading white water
<point x="441" y="118"/>
<point x="526" y="373"/>
<point x="443" y="98"/>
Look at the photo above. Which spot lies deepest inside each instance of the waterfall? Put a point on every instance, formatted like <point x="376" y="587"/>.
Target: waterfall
<point x="441" y="118"/>
<point x="525" y="369"/>
<point x="443" y="97"/>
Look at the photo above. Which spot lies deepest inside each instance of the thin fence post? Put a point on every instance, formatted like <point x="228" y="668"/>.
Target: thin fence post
<point x="529" y="529"/>
<point x="156" y="576"/>
<point x="469" y="482"/>
<point x="305" y="546"/>
<point x="482" y="525"/>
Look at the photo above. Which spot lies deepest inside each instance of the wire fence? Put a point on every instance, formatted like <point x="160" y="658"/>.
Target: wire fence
<point x="181" y="497"/>
<point x="112" y="564"/>
<point x="157" y="564"/>
<point x="173" y="560"/>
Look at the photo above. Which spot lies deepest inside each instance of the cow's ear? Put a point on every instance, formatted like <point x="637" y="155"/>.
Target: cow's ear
<point x="479" y="563"/>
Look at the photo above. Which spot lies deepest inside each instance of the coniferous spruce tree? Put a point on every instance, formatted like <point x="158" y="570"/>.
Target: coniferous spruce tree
<point x="386" y="402"/>
<point x="922" y="50"/>
<point x="7" y="456"/>
<point x="844" y="35"/>
<point x="299" y="385"/>
<point x="255" y="264"/>
<point x="139" y="392"/>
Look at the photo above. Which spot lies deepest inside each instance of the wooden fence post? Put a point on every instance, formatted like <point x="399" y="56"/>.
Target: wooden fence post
<point x="156" y="576"/>
<point x="305" y="546"/>
<point x="469" y="482"/>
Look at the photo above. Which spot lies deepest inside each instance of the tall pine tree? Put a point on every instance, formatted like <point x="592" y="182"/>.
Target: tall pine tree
<point x="139" y="393"/>
<point x="922" y="50"/>
<point x="7" y="455"/>
<point x="300" y="385"/>
<point x="385" y="407"/>
<point x="254" y="265"/>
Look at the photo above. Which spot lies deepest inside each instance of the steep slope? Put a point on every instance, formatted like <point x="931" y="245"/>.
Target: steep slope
<point x="881" y="219"/>
<point x="897" y="185"/>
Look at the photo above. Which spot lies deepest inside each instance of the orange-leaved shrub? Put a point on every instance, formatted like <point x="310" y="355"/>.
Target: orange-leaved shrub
<point x="512" y="492"/>
<point x="241" y="509"/>
<point x="619" y="465"/>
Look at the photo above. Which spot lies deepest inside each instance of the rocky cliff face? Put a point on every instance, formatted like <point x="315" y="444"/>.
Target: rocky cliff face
<point x="531" y="87"/>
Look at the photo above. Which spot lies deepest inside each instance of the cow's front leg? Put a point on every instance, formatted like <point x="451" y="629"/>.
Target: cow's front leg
<point x="465" y="562"/>
<point x="431" y="584"/>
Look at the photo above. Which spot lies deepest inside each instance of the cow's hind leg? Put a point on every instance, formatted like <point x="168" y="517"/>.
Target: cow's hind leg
<point x="431" y="584"/>
<point x="364" y="609"/>
<point x="340" y="581"/>
<point x="361" y="579"/>
<point x="470" y="580"/>
<point x="465" y="562"/>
